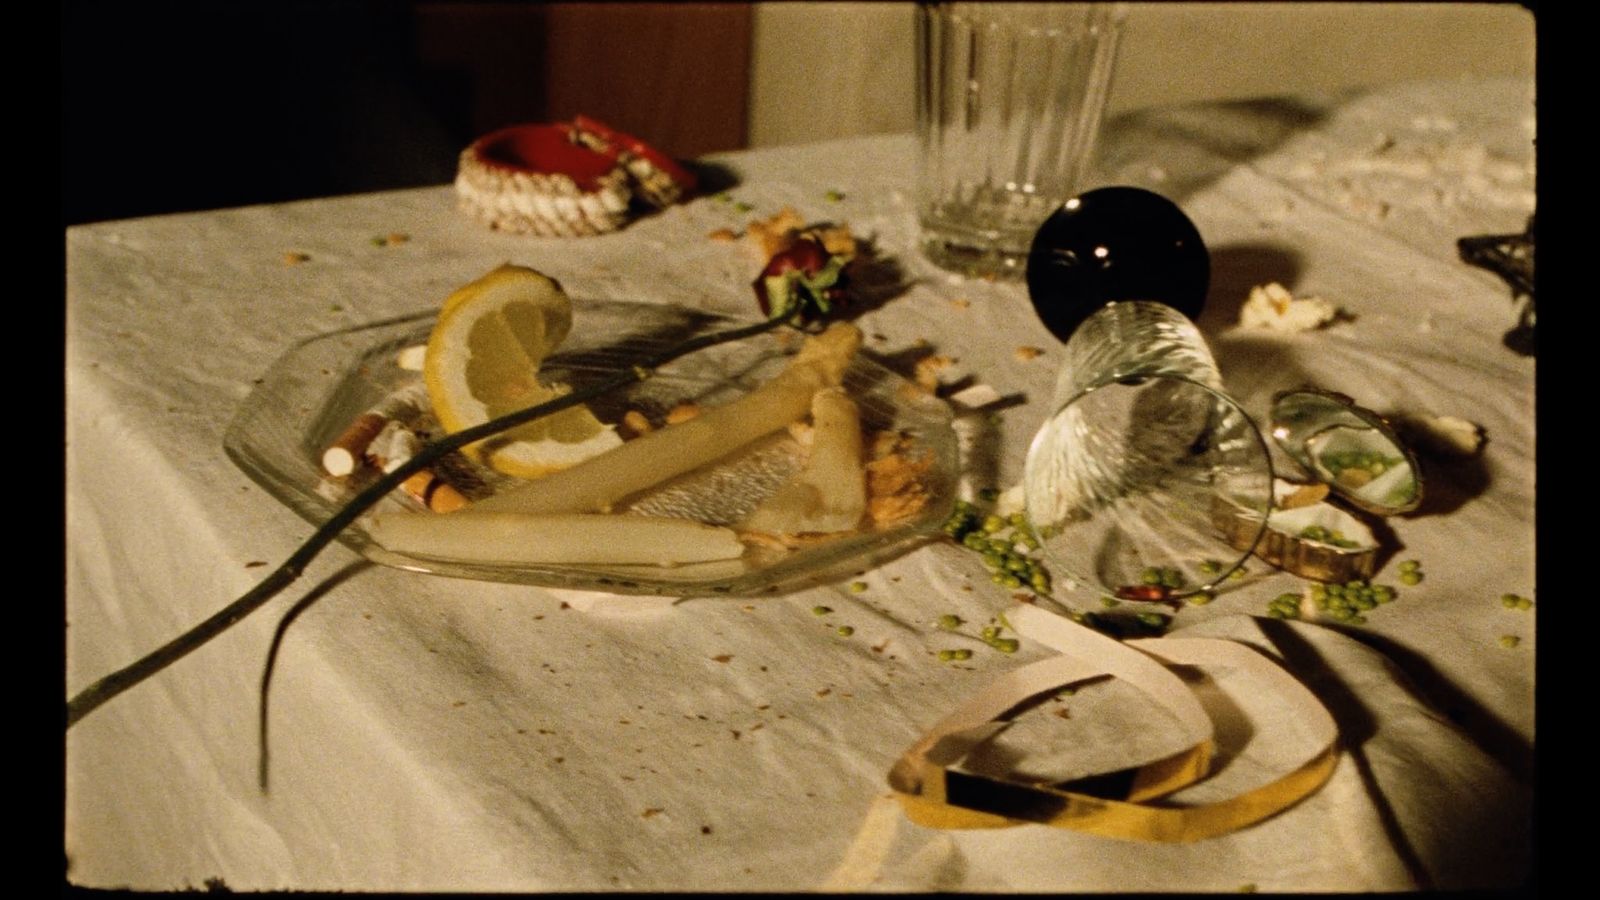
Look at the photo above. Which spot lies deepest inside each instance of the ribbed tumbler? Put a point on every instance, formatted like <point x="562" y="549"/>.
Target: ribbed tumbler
<point x="1009" y="100"/>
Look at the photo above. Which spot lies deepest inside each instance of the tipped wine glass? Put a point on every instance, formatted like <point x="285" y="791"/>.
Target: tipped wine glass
<point x="1143" y="451"/>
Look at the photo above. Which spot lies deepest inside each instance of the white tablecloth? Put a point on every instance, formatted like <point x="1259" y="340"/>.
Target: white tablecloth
<point x="439" y="734"/>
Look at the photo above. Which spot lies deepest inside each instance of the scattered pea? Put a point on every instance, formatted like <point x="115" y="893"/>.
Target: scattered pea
<point x="833" y="196"/>
<point x="846" y="631"/>
<point x="1007" y="645"/>
<point x="1509" y="641"/>
<point x="1210" y="567"/>
<point x="962" y="653"/>
<point x="949" y="621"/>
<point x="1237" y="574"/>
<point x="1153" y="619"/>
<point x="1109" y="602"/>
<point x="857" y="587"/>
<point x="993" y="523"/>
<point x="743" y="207"/>
<point x="821" y="610"/>
<point x="1411" y="565"/>
<point x="946" y="655"/>
<point x="1201" y="598"/>
<point x="1410" y="579"/>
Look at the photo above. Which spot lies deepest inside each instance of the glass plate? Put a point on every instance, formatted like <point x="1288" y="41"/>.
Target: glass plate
<point x="316" y="389"/>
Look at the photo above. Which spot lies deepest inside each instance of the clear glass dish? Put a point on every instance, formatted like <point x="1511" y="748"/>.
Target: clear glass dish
<point x="317" y="388"/>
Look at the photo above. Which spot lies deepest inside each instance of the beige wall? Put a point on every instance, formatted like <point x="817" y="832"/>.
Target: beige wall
<point x="822" y="70"/>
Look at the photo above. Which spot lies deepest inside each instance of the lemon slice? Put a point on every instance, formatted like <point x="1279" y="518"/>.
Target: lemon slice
<point x="483" y="360"/>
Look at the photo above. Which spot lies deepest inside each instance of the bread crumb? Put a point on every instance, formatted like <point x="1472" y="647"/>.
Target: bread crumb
<point x="960" y="302"/>
<point x="1448" y="436"/>
<point x="928" y="369"/>
<point x="1026" y="352"/>
<point x="1272" y="307"/>
<point x="294" y="258"/>
<point x="772" y="234"/>
<point x="725" y="235"/>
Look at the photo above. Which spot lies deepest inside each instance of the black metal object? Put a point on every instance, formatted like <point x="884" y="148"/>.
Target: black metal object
<point x="1511" y="257"/>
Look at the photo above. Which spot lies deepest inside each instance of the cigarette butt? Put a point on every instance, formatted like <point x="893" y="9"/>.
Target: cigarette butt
<point x="412" y="358"/>
<point x="636" y="422"/>
<point x="392" y="446"/>
<point x="681" y="413"/>
<point x="432" y="491"/>
<point x="346" y="452"/>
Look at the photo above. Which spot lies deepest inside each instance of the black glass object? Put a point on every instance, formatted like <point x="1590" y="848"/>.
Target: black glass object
<point x="1111" y="244"/>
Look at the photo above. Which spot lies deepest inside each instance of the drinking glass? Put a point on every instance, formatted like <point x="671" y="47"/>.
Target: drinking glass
<point x="1009" y="100"/>
<point x="1142" y="454"/>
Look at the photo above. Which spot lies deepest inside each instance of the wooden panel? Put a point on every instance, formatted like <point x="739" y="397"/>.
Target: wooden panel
<point x="674" y="74"/>
<point x="483" y="63"/>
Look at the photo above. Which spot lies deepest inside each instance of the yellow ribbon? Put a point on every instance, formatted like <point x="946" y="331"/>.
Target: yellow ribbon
<point x="1123" y="805"/>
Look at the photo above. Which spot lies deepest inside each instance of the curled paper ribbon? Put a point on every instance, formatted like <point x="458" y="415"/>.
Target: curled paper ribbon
<point x="1122" y="804"/>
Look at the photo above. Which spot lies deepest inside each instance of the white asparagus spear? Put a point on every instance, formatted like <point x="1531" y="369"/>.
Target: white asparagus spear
<point x="830" y="493"/>
<point x="600" y="481"/>
<point x="568" y="539"/>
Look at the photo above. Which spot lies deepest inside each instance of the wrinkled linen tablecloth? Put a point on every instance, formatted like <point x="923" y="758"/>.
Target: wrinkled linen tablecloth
<point x="429" y="733"/>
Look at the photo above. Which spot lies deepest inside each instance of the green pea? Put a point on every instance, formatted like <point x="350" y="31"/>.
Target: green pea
<point x="946" y="655"/>
<point x="1018" y="520"/>
<point x="1007" y="645"/>
<point x="846" y="631"/>
<point x="993" y="523"/>
<point x="1509" y="640"/>
<point x="1201" y="598"/>
<point x="1040" y="582"/>
<point x="962" y="653"/>
<point x="1109" y="602"/>
<point x="1012" y="581"/>
<point x="1410" y="565"/>
<point x="1210" y="567"/>
<point x="1524" y="603"/>
<point x="949" y="621"/>
<point x="833" y="196"/>
<point x="1154" y="620"/>
<point x="1150" y="576"/>
<point x="821" y="610"/>
<point x="1410" y="579"/>
<point x="1237" y="574"/>
<point x="857" y="587"/>
<point x="1509" y="601"/>
<point x="1172" y="578"/>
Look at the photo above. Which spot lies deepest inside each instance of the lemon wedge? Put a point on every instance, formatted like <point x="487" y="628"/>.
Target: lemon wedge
<point x="483" y="361"/>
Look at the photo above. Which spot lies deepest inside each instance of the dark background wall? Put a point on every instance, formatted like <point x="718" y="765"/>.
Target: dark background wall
<point x="182" y="105"/>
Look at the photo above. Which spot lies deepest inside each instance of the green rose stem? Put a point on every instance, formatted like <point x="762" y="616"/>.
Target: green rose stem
<point x="93" y="696"/>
